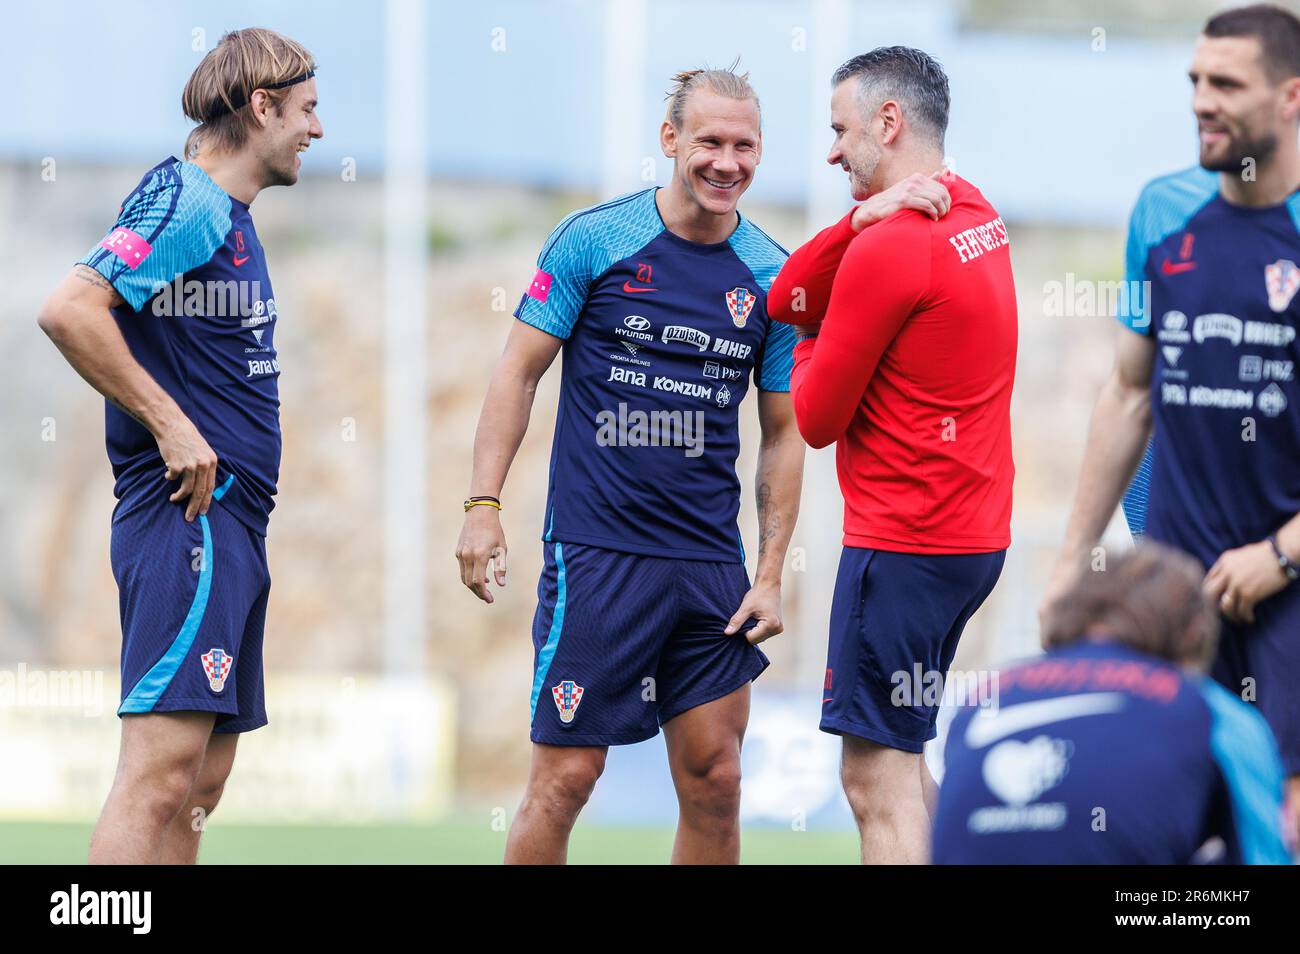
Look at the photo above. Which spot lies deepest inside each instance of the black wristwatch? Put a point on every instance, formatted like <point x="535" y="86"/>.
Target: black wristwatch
<point x="1288" y="567"/>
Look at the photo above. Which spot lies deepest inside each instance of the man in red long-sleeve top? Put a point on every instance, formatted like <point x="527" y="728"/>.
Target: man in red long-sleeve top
<point x="907" y="319"/>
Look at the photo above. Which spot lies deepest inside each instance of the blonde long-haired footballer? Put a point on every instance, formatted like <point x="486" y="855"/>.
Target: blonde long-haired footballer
<point x="245" y="62"/>
<point x="193" y="434"/>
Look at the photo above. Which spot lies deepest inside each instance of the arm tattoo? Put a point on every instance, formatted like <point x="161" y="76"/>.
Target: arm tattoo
<point x="769" y="520"/>
<point x="89" y="275"/>
<point x="92" y="277"/>
<point x="126" y="410"/>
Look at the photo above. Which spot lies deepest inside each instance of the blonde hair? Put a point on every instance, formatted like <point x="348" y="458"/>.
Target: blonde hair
<point x="725" y="82"/>
<point x="223" y="83"/>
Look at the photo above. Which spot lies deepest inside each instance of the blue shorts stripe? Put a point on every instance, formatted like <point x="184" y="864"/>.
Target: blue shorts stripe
<point x="146" y="693"/>
<point x="553" y="637"/>
<point x="221" y="491"/>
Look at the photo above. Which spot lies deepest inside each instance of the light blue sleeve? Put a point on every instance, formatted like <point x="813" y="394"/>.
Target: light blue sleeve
<point x="1134" y="312"/>
<point x="1165" y="206"/>
<point x="172" y="223"/>
<point x="582" y="248"/>
<point x="764" y="258"/>
<point x="1134" y="308"/>
<point x="558" y="292"/>
<point x="778" y="357"/>
<point x="1247" y="756"/>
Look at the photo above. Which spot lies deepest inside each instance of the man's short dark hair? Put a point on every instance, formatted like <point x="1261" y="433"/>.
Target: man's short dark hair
<point x="912" y="77"/>
<point x="1276" y="29"/>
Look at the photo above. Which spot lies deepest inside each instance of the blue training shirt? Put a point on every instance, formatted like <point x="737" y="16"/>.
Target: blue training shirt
<point x="1098" y="754"/>
<point x="661" y="339"/>
<point x="200" y="317"/>
<point x="1221" y="471"/>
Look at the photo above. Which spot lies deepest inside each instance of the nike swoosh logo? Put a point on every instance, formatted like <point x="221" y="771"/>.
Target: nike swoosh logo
<point x="985" y="727"/>
<point x="240" y="261"/>
<point x="1176" y="268"/>
<point x="627" y="287"/>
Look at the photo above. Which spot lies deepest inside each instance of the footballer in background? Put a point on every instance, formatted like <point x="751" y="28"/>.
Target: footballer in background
<point x="1209" y="365"/>
<point x="1114" y="748"/>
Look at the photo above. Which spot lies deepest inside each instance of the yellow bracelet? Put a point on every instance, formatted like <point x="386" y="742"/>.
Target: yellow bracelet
<point x="481" y="503"/>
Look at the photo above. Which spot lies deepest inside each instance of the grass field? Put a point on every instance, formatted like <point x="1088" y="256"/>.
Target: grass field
<point x="453" y="842"/>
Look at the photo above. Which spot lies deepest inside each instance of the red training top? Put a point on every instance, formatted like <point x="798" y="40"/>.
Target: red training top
<point x="911" y="372"/>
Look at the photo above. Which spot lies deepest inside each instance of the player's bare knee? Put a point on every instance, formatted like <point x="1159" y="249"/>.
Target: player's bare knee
<point x="162" y="793"/>
<point x="869" y="785"/>
<point x="564" y="788"/>
<point x="577" y="780"/>
<point x="862" y="796"/>
<point x="207" y="792"/>
<point x="558" y="799"/>
<point x="711" y="788"/>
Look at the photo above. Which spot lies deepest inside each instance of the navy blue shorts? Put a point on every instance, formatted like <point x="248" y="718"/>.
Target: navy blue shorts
<point x="1261" y="664"/>
<point x="193" y="604"/>
<point x="625" y="642"/>
<point x="891" y="613"/>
